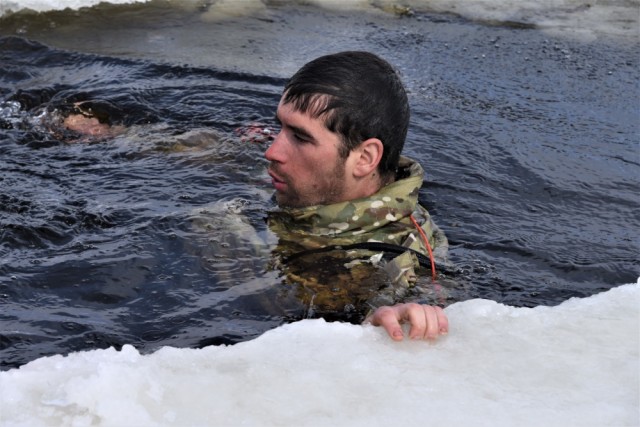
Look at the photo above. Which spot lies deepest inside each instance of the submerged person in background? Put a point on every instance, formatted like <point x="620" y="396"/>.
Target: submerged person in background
<point x="342" y="186"/>
<point x="75" y="117"/>
<point x="93" y="118"/>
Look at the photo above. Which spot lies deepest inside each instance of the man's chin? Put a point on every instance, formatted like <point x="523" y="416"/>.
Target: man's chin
<point x="281" y="200"/>
<point x="285" y="202"/>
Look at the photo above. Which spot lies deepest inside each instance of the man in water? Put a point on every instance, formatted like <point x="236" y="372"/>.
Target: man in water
<point x="340" y="179"/>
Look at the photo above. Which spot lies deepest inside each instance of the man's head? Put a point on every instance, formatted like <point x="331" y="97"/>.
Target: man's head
<point x="344" y="122"/>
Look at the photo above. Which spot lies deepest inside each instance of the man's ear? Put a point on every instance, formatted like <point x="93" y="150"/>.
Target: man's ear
<point x="368" y="155"/>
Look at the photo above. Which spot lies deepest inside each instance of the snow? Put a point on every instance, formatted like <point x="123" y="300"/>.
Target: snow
<point x="576" y="364"/>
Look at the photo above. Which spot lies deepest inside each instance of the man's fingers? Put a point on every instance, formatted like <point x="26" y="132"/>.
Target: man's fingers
<point x="443" y="321"/>
<point x="416" y="315"/>
<point x="389" y="318"/>
<point x="427" y="322"/>
<point x="390" y="321"/>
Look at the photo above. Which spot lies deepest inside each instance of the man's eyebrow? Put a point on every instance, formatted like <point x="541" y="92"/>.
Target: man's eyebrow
<point x="297" y="130"/>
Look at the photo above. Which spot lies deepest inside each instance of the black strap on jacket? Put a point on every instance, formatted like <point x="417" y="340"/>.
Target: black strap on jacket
<point x="371" y="246"/>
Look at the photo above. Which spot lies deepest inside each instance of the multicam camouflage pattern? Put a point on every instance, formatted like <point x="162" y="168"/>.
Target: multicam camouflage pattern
<point x="338" y="284"/>
<point x="383" y="217"/>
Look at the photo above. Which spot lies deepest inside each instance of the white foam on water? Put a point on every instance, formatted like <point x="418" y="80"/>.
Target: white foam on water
<point x="576" y="364"/>
<point x="578" y="19"/>
<point x="47" y="5"/>
<point x="582" y="19"/>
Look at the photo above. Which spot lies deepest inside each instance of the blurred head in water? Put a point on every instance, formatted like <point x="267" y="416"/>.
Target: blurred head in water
<point x="79" y="117"/>
<point x="93" y="118"/>
<point x="344" y="120"/>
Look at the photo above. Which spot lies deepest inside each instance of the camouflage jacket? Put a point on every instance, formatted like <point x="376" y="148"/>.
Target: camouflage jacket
<point x="361" y="275"/>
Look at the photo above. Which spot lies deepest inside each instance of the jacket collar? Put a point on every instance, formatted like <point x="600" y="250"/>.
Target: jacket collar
<point x="355" y="220"/>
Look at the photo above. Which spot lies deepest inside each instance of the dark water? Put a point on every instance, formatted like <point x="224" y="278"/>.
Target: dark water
<point x="530" y="143"/>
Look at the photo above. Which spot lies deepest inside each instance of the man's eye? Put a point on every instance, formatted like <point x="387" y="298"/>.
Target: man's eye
<point x="301" y="138"/>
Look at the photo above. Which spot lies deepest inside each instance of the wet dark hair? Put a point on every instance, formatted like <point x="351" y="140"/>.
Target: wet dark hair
<point x="114" y="110"/>
<point x="360" y="96"/>
<point x="84" y="104"/>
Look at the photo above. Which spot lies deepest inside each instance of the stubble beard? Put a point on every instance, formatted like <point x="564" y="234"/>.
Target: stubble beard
<point x="332" y="190"/>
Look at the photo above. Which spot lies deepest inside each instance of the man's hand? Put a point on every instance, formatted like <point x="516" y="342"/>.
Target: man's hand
<point x="427" y="321"/>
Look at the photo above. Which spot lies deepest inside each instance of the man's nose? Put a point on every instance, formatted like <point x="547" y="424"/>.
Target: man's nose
<point x="274" y="152"/>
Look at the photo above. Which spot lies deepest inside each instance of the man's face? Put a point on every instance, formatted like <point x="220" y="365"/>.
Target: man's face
<point x="305" y="166"/>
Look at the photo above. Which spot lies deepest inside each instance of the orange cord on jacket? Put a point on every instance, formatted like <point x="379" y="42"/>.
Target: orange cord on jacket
<point x="426" y="243"/>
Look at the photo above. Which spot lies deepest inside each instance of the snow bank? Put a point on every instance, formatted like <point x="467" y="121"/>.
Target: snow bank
<point x="575" y="364"/>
